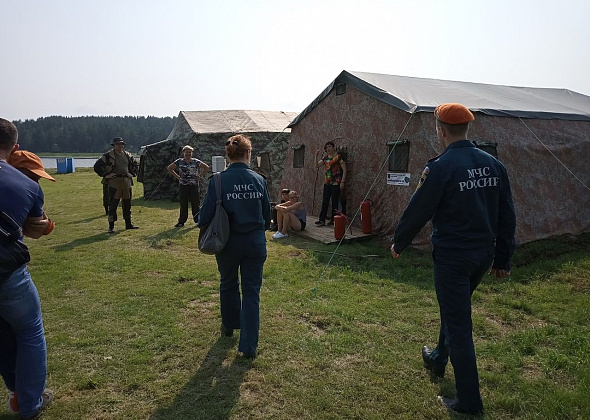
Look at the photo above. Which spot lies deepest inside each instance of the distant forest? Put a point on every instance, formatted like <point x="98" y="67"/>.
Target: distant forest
<point x="90" y="134"/>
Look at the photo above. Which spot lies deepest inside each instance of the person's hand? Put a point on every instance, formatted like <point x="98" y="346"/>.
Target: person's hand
<point x="499" y="273"/>
<point x="35" y="227"/>
<point x="393" y="253"/>
<point x="342" y="185"/>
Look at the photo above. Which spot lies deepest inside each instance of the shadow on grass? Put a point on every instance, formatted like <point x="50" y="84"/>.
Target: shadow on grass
<point x="103" y="236"/>
<point x="374" y="256"/>
<point x="161" y="204"/>
<point x="172" y="233"/>
<point x="214" y="390"/>
<point x="414" y="267"/>
<point x="89" y="219"/>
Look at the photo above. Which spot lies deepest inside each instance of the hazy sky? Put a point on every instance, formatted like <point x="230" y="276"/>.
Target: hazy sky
<point x="148" y="57"/>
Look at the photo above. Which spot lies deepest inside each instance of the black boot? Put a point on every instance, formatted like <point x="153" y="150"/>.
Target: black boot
<point x="111" y="227"/>
<point x="129" y="225"/>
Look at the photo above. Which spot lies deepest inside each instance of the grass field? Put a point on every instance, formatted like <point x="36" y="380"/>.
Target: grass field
<point x="132" y="323"/>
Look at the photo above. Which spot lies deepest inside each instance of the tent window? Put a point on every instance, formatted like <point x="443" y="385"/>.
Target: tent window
<point x="488" y="146"/>
<point x="298" y="156"/>
<point x="399" y="158"/>
<point x="340" y="89"/>
<point x="263" y="160"/>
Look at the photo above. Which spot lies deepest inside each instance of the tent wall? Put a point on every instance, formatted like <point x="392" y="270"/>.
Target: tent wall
<point x="159" y="185"/>
<point x="548" y="199"/>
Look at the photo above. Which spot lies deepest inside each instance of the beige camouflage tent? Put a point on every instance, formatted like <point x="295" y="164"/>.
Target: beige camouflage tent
<point x="207" y="132"/>
<point x="386" y="125"/>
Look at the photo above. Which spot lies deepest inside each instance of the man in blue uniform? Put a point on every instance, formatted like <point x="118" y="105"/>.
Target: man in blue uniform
<point x="466" y="193"/>
<point x="245" y="199"/>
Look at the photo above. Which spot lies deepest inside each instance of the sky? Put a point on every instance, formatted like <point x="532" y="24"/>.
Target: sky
<point x="157" y="58"/>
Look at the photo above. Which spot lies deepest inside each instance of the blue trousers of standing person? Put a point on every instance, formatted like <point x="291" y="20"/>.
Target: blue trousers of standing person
<point x="243" y="256"/>
<point x="457" y="272"/>
<point x="331" y="193"/>
<point x="23" y="351"/>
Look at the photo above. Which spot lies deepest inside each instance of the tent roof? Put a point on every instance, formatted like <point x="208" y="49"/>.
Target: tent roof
<point x="238" y="121"/>
<point x="413" y="94"/>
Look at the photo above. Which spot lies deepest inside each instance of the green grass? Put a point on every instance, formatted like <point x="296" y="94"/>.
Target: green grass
<point x="132" y="323"/>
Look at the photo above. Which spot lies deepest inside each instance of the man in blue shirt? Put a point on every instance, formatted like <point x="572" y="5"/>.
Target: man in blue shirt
<point x="466" y="193"/>
<point x="23" y="352"/>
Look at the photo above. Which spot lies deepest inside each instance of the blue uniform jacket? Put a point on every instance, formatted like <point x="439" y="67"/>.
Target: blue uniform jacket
<point x="466" y="193"/>
<point x="245" y="199"/>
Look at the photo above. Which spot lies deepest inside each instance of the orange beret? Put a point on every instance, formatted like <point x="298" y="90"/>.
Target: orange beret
<point x="453" y="114"/>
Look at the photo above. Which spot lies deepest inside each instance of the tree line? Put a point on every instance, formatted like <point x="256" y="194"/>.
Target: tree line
<point x="90" y="134"/>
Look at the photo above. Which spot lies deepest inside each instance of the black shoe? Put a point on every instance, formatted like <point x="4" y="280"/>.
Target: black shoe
<point x="250" y="356"/>
<point x="429" y="364"/>
<point x="320" y="223"/>
<point x="330" y="223"/>
<point x="226" y="332"/>
<point x="179" y="224"/>
<point x="111" y="227"/>
<point x="453" y="404"/>
<point x="130" y="226"/>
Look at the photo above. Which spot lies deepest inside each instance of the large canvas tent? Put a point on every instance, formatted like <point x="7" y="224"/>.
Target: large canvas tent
<point x="385" y="125"/>
<point x="207" y="132"/>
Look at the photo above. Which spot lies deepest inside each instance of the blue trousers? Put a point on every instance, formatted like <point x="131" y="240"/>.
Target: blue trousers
<point x="243" y="256"/>
<point x="457" y="272"/>
<point x="23" y="351"/>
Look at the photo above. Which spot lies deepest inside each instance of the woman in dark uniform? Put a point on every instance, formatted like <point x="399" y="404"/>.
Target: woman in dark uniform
<point x="245" y="199"/>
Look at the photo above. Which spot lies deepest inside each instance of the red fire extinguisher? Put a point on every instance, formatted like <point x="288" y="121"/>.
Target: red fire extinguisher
<point x="339" y="226"/>
<point x="366" y="216"/>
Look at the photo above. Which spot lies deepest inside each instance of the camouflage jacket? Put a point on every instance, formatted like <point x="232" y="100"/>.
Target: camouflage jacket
<point x="105" y="164"/>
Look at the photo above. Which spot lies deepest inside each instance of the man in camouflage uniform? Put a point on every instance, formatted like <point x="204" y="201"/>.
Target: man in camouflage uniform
<point x="118" y="167"/>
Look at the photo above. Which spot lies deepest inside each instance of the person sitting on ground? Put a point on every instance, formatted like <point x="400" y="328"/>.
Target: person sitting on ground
<point x="284" y="198"/>
<point x="290" y="215"/>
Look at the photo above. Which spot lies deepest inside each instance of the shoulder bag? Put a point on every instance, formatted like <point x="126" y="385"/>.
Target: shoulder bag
<point x="13" y="251"/>
<point x="214" y="236"/>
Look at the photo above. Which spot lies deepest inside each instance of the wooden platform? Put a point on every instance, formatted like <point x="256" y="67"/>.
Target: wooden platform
<point x="325" y="234"/>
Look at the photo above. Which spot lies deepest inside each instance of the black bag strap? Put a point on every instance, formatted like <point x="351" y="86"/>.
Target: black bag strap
<point x="9" y="229"/>
<point x="217" y="179"/>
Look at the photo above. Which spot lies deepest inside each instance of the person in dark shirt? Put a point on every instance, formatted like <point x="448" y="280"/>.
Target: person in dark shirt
<point x="188" y="170"/>
<point x="466" y="193"/>
<point x="23" y="350"/>
<point x="245" y="199"/>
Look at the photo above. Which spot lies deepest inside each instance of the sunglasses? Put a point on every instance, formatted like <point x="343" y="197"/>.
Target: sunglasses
<point x="235" y="143"/>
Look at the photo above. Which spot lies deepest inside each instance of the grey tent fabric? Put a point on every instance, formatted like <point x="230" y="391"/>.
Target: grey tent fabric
<point x="412" y="94"/>
<point x="207" y="132"/>
<point x="234" y="121"/>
